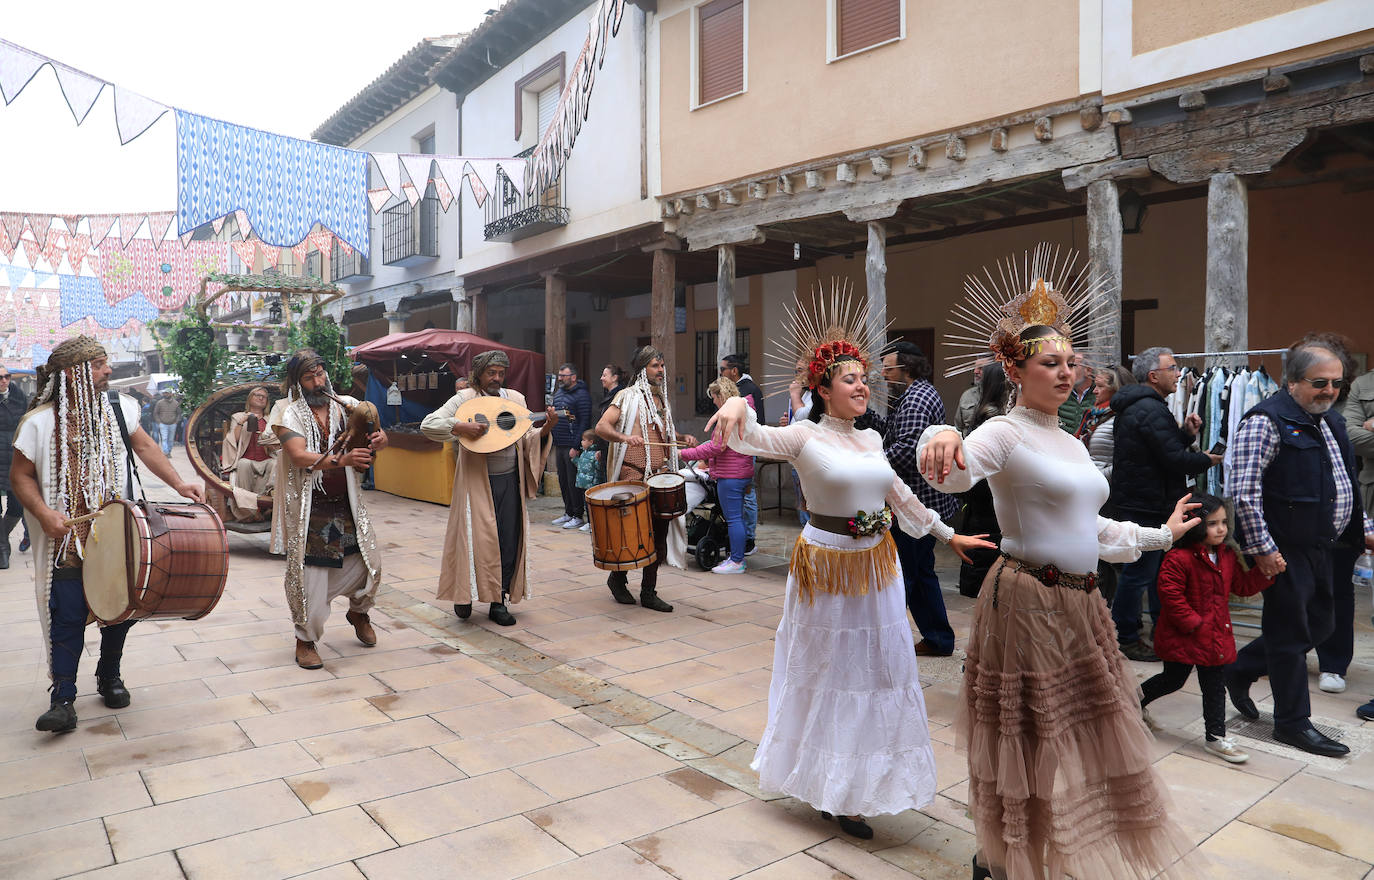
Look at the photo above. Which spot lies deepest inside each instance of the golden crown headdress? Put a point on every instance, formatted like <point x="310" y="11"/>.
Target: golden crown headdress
<point x="1048" y="286"/>
<point x="833" y="329"/>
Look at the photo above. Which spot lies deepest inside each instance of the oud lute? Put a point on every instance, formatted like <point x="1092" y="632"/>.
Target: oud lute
<point x="506" y="421"/>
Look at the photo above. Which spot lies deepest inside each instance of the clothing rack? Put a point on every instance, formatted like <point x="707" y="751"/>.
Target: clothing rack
<point x="1253" y="352"/>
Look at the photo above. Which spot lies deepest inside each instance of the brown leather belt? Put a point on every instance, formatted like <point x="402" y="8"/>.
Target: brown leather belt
<point x="1050" y="575"/>
<point x="836" y="525"/>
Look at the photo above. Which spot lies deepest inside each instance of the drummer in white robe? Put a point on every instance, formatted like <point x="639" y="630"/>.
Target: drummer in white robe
<point x="70" y="461"/>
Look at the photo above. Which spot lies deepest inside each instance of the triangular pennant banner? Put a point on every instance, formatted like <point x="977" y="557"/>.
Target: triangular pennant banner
<point x="299" y="251"/>
<point x="100" y="227"/>
<point x="246" y="250"/>
<point x="33" y="250"/>
<point x="472" y="173"/>
<point x="218" y="224"/>
<point x="40" y="225"/>
<point x="17" y="67"/>
<point x="158" y="224"/>
<point x="72" y="221"/>
<point x="417" y="166"/>
<point x="6" y="246"/>
<point x="16" y="275"/>
<point x="128" y="225"/>
<point x="134" y="114"/>
<point x="323" y="241"/>
<point x="241" y="218"/>
<point x="186" y="239"/>
<point x="77" y="247"/>
<point x="389" y="167"/>
<point x="13" y="222"/>
<point x="79" y="89"/>
<point x="443" y="192"/>
<point x="271" y="254"/>
<point x="411" y="192"/>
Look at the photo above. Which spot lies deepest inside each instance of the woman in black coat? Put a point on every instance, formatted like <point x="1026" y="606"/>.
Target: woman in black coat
<point x="13" y="403"/>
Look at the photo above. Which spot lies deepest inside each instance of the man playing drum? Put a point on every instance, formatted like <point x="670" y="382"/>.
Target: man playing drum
<point x="639" y="425"/>
<point x="69" y="461"/>
<point x="318" y="517"/>
<point x="484" y="544"/>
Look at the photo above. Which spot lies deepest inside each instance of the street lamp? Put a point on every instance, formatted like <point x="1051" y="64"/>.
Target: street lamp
<point x="1132" y="211"/>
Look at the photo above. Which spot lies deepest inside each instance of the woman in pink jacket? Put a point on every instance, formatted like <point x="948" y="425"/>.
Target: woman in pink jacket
<point x="733" y="472"/>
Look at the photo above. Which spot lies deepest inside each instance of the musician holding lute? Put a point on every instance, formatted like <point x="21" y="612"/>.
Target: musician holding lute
<point x="70" y="459"/>
<point x="318" y="517"/>
<point x="501" y="456"/>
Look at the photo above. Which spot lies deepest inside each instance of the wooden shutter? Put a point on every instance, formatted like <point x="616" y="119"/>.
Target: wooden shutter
<point x="721" y="49"/>
<point x="864" y="23"/>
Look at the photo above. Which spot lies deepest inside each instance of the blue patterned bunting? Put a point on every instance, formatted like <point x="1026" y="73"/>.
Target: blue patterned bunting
<point x="285" y="184"/>
<point x="84" y="297"/>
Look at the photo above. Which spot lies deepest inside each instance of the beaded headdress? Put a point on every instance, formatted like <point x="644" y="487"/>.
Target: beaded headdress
<point x="832" y="330"/>
<point x="1048" y="286"/>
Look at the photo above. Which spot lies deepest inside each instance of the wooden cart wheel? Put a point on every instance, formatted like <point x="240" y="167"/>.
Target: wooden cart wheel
<point x="205" y="434"/>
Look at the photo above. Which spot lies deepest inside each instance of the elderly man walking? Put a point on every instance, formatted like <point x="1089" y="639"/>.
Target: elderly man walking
<point x="1295" y="491"/>
<point x="167" y="414"/>
<point x="1150" y="464"/>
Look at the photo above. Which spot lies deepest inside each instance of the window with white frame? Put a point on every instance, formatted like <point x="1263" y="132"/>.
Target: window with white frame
<point x="536" y="98"/>
<point x="857" y="25"/>
<point x="719" y="63"/>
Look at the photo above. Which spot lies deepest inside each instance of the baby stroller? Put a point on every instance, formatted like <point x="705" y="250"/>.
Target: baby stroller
<point x="708" y="535"/>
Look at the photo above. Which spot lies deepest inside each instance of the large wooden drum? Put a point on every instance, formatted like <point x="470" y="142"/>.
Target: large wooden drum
<point x="667" y="495"/>
<point x="162" y="560"/>
<point x="622" y="530"/>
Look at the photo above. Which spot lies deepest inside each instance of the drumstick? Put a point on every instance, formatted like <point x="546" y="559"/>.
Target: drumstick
<point x="656" y="443"/>
<point x="80" y="519"/>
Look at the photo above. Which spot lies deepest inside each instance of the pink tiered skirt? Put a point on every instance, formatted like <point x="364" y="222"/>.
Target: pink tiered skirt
<point x="1060" y="775"/>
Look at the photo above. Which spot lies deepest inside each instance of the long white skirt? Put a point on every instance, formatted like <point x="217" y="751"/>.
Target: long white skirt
<point x="847" y="728"/>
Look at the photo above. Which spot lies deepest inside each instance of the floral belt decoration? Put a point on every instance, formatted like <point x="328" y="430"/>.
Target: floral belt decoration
<point x="864" y="524"/>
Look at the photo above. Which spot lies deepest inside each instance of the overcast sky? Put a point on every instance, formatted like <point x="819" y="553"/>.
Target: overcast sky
<point x="280" y="66"/>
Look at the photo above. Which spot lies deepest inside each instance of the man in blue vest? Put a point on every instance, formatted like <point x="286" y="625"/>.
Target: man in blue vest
<point x="1294" y="485"/>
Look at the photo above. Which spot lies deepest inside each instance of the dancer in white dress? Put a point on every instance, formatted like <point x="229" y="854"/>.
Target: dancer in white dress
<point x="846" y="728"/>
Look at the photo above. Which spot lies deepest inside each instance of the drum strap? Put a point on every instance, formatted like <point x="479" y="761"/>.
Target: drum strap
<point x="132" y="464"/>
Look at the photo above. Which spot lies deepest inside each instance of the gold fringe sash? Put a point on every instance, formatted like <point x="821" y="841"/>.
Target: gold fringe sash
<point x="842" y="572"/>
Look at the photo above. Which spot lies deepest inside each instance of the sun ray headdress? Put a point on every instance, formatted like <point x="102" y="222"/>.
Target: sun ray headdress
<point x="1050" y="285"/>
<point x="832" y="329"/>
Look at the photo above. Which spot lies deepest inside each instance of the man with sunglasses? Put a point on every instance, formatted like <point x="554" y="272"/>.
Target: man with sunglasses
<point x="1295" y="492"/>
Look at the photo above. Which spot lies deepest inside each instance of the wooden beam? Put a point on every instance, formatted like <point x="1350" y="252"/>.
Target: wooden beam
<point x="1117" y="169"/>
<point x="1018" y="163"/>
<point x="1252" y="156"/>
<point x="662" y="307"/>
<point x="1104" y="250"/>
<point x="555" y="321"/>
<point x="875" y="275"/>
<point x="866" y="213"/>
<point x="725" y="300"/>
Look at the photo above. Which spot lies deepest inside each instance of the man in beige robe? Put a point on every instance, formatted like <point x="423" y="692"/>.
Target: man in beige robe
<point x="484" y="546"/>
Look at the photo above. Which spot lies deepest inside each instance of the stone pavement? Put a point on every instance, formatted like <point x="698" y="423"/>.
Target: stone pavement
<point x="592" y="740"/>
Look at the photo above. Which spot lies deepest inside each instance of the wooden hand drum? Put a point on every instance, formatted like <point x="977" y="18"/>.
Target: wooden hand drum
<point x="162" y="560"/>
<point x="622" y="530"/>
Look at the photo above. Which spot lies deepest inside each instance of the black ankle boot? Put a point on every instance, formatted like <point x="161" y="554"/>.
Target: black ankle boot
<point x="113" y="692"/>
<point x="499" y="615"/>
<point x="979" y="872"/>
<point x="618" y="588"/>
<point x="5" y="553"/>
<point x="59" y="718"/>
<point x="463" y="611"/>
<point x="649" y="599"/>
<point x="853" y="826"/>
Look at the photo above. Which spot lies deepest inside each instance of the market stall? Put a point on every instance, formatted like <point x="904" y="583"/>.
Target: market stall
<point x="422" y="368"/>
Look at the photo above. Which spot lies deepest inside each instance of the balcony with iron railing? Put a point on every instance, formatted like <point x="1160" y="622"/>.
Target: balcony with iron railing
<point x="348" y="266"/>
<point x="410" y="235"/>
<point x="511" y="214"/>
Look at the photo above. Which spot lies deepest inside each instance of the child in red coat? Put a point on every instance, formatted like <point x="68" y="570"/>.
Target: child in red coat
<point x="1195" y="584"/>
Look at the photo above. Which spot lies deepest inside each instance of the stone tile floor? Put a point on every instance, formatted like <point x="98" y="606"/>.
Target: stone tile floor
<point x="591" y="740"/>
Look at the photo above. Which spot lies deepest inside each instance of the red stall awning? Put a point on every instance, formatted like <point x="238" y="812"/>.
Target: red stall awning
<point x="455" y="349"/>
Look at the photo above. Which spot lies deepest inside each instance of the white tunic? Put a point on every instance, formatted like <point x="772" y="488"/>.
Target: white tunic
<point x="1047" y="493"/>
<point x="847" y="730"/>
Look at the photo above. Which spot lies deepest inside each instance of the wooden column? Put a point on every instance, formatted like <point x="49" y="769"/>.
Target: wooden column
<point x="1104" y="249"/>
<point x="1228" y="246"/>
<point x="462" y="310"/>
<point x="479" y="311"/>
<point x="875" y="273"/>
<point x="555" y="322"/>
<point x="662" y="310"/>
<point x="725" y="301"/>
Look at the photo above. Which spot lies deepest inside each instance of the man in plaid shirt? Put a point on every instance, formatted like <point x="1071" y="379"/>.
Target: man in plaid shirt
<point x="1294" y="487"/>
<point x="907" y="371"/>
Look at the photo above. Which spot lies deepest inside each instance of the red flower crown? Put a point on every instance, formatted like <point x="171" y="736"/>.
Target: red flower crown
<point x="825" y="355"/>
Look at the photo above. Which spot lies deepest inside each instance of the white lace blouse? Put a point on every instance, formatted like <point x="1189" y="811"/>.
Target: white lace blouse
<point x="842" y="470"/>
<point x="1047" y="493"/>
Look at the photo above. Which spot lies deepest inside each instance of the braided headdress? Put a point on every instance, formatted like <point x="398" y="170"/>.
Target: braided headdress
<point x="817" y="340"/>
<point x="1046" y="287"/>
<point x="85" y="468"/>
